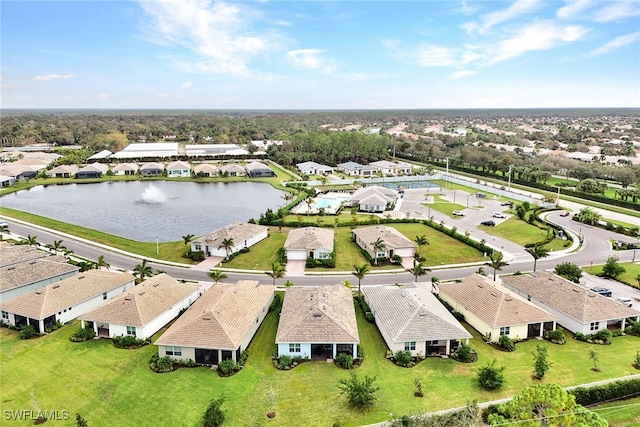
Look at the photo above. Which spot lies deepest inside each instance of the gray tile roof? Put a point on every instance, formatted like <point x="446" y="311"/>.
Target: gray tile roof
<point x="253" y="166"/>
<point x="142" y="303"/>
<point x="15" y="254"/>
<point x="178" y="165"/>
<point x="239" y="232"/>
<point x="567" y="297"/>
<point x="318" y="314"/>
<point x="362" y="193"/>
<point x="25" y="273"/>
<point x="221" y="317"/>
<point x="310" y="238"/>
<point x="392" y="238"/>
<point x="494" y="304"/>
<point x="412" y="313"/>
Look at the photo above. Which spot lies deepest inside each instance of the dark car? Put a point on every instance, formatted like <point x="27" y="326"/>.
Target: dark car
<point x="605" y="292"/>
<point x="488" y="223"/>
<point x="564" y="214"/>
<point x="507" y="204"/>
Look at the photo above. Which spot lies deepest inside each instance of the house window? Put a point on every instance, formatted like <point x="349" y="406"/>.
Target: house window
<point x="594" y="326"/>
<point x="131" y="330"/>
<point x="434" y="342"/>
<point x="294" y="348"/>
<point x="381" y="254"/>
<point x="410" y="345"/>
<point x="104" y="295"/>
<point x="173" y="350"/>
<point x="504" y="330"/>
<point x="5" y="315"/>
<point x="198" y="247"/>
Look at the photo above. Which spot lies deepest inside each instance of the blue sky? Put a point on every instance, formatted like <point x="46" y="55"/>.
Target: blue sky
<point x="320" y="55"/>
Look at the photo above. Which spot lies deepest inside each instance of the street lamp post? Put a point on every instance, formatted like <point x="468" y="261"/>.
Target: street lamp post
<point x="157" y="245"/>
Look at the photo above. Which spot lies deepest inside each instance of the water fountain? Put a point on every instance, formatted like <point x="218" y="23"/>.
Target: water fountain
<point x="153" y="194"/>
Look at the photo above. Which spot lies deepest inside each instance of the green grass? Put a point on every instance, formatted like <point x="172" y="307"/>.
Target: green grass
<point x="622" y="413"/>
<point x="629" y="276"/>
<point x="109" y="386"/>
<point x="444" y="206"/>
<point x="517" y="231"/>
<point x="263" y="254"/>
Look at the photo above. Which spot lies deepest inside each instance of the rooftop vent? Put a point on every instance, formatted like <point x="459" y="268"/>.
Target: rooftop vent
<point x="128" y="298"/>
<point x="576" y="290"/>
<point x="80" y="277"/>
<point x="495" y="294"/>
<point x="11" y="268"/>
<point x="155" y="285"/>
<point x="480" y="285"/>
<point x="39" y="291"/>
<point x="32" y="262"/>
<point x="141" y="293"/>
<point x="508" y="298"/>
<point x="206" y="317"/>
<point x="56" y="286"/>
<point x="317" y="314"/>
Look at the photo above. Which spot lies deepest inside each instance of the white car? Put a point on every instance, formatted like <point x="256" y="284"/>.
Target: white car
<point x="624" y="300"/>
<point x="458" y="213"/>
<point x="499" y="215"/>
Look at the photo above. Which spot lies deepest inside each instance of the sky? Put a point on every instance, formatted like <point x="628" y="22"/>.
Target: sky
<point x="206" y="54"/>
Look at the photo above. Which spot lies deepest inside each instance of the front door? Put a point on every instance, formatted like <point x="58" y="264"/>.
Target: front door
<point x="533" y="330"/>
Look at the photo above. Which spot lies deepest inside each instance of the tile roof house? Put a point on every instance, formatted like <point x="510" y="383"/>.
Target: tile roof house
<point x="243" y="235"/>
<point x="92" y="170"/>
<point x="259" y="170"/>
<point x="65" y="300"/>
<point x="219" y="325"/>
<point x="152" y="169"/>
<point x="125" y="169"/>
<point x="178" y="169"/>
<point x="373" y="198"/>
<point x="142" y="310"/>
<point x="411" y="318"/>
<point x="356" y="169"/>
<point x="579" y="309"/>
<point x="205" y="169"/>
<point x="392" y="168"/>
<point x="19" y="171"/>
<point x="232" y="169"/>
<point x="313" y="168"/>
<point x="63" y="171"/>
<point x="317" y="322"/>
<point x="309" y="242"/>
<point x="494" y="310"/>
<point x="395" y="242"/>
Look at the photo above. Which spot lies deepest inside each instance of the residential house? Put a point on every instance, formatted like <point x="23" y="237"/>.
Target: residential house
<point x="125" y="169"/>
<point x="18" y="171"/>
<point x="578" y="309"/>
<point x="259" y="170"/>
<point x="411" y="318"/>
<point x="219" y="325"/>
<point x="205" y="169"/>
<point x="142" y="310"/>
<point x="494" y="310"/>
<point x="392" y="168"/>
<point x="152" y="169"/>
<point x="242" y="235"/>
<point x="395" y="243"/>
<point x="232" y="169"/>
<point x="373" y="199"/>
<point x="356" y="169"/>
<point x="63" y="171"/>
<point x="6" y="181"/>
<point x="65" y="300"/>
<point x="92" y="170"/>
<point x="309" y="242"/>
<point x="317" y="322"/>
<point x="313" y="168"/>
<point x="178" y="169"/>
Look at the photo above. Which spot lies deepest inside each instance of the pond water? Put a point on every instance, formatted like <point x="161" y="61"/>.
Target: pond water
<point x="144" y="211"/>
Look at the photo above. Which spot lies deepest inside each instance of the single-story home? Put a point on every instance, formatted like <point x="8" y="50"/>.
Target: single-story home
<point x="395" y="242"/>
<point x="92" y="170"/>
<point x="494" y="310"/>
<point x="232" y="169"/>
<point x="152" y="169"/>
<point x="318" y="322"/>
<point x="19" y="171"/>
<point x="373" y="199"/>
<point x="411" y="318"/>
<point x="6" y="181"/>
<point x="143" y="310"/>
<point x="259" y="170"/>
<point x="178" y="169"/>
<point x="63" y="171"/>
<point x="65" y="300"/>
<point x="578" y="309"/>
<point x="313" y="168"/>
<point x="392" y="168"/>
<point x="125" y="169"/>
<point x="309" y="242"/>
<point x="219" y="325"/>
<point x="242" y="235"/>
<point x="205" y="169"/>
<point x="356" y="169"/>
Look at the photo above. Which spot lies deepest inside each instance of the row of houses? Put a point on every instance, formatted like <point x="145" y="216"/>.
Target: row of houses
<point x="381" y="167"/>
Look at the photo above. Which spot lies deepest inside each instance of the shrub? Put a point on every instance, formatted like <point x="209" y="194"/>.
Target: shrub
<point x="603" y="336"/>
<point x="634" y="329"/>
<point x="276" y="304"/>
<point x="463" y="353"/>
<point x="344" y="360"/>
<point x="490" y="376"/>
<point x="214" y="416"/>
<point x="285" y="361"/>
<point x="161" y="364"/>
<point x="636" y="360"/>
<point x="506" y="343"/>
<point x="606" y="392"/>
<point x="84" y="334"/>
<point x="53" y="327"/>
<point x="403" y="358"/>
<point x="243" y="357"/>
<point x="556" y="336"/>
<point x="28" y="332"/>
<point x="360" y="394"/>
<point x="227" y="367"/>
<point x="128" y="341"/>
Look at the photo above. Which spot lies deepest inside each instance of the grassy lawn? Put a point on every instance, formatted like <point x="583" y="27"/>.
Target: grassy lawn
<point x="109" y="386"/>
<point x="629" y="276"/>
<point x="623" y="413"/>
<point x="263" y="254"/>
<point x="518" y="231"/>
<point x="444" y="206"/>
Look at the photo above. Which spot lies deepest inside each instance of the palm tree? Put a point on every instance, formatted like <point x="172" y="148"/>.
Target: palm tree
<point x="277" y="271"/>
<point x="101" y="262"/>
<point x="421" y="241"/>
<point x="227" y="245"/>
<point x="57" y="246"/>
<point x="4" y="228"/>
<point x="418" y="270"/>
<point x="537" y="252"/>
<point x="30" y="240"/>
<point x="217" y="275"/>
<point x="86" y="265"/>
<point x="360" y="271"/>
<point x="496" y="262"/>
<point x="142" y="270"/>
<point x="377" y="246"/>
<point x="188" y="238"/>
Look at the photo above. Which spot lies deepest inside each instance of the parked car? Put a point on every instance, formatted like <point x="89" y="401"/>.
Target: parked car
<point x="624" y="300"/>
<point x="3" y="224"/>
<point x="488" y="223"/>
<point x="605" y="292"/>
<point x="499" y="215"/>
<point x="458" y="213"/>
<point x="565" y="213"/>
<point x="510" y="204"/>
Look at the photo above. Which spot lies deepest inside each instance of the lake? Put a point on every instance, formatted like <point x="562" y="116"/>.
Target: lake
<point x="144" y="211"/>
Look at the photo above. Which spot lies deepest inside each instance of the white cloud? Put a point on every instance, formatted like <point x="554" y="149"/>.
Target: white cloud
<point x="48" y="77"/>
<point x="186" y="85"/>
<point x="494" y="18"/>
<point x="573" y="8"/>
<point x="616" y="43"/>
<point x="539" y="36"/>
<point x="435" y="56"/>
<point x="217" y="33"/>
<point x="311" y="59"/>
<point x="104" y="96"/>
<point x="617" y="10"/>
<point x="462" y="73"/>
